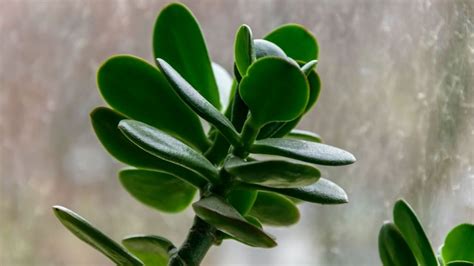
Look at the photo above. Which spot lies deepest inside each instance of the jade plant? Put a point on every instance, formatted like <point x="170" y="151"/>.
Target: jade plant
<point x="185" y="126"/>
<point x="404" y="242"/>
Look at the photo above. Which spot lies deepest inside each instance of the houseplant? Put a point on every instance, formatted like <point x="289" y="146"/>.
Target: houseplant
<point x="153" y="125"/>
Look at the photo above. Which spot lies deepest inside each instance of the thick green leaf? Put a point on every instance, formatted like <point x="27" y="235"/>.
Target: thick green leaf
<point x="393" y="249"/>
<point x="159" y="190"/>
<point x="323" y="192"/>
<point x="304" y="135"/>
<point x="314" y="90"/>
<point x="274" y="209"/>
<point x="242" y="199"/>
<point x="281" y="84"/>
<point x="225" y="218"/>
<point x="459" y="244"/>
<point x="280" y="129"/>
<point x="225" y="85"/>
<point x="200" y="105"/>
<point x="310" y="152"/>
<point x="105" y="122"/>
<point x="308" y="67"/>
<point x="140" y="91"/>
<point x="178" y="39"/>
<point x="163" y="146"/>
<point x="152" y="250"/>
<point x="407" y="222"/>
<point x="95" y="238"/>
<point x="265" y="48"/>
<point x="244" y="51"/>
<point x="272" y="173"/>
<point x="297" y="42"/>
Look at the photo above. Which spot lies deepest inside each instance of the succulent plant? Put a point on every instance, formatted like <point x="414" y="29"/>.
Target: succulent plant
<point x="404" y="242"/>
<point x="154" y="124"/>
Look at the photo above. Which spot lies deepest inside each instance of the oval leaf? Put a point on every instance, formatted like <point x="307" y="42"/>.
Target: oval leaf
<point x="393" y="249"/>
<point x="152" y="250"/>
<point x="297" y="42"/>
<point x="407" y="222"/>
<point x="459" y="244"/>
<point x="200" y="105"/>
<point x="323" y="192"/>
<point x="272" y="173"/>
<point x="273" y="209"/>
<point x="95" y="238"/>
<point x="265" y="48"/>
<point x="177" y="38"/>
<point x="304" y="135"/>
<point x="310" y="152"/>
<point x="244" y="51"/>
<point x="161" y="191"/>
<point x="242" y="199"/>
<point x="105" y="122"/>
<point x="225" y="218"/>
<point x="163" y="146"/>
<point x="138" y="90"/>
<point x="281" y="84"/>
<point x="280" y="129"/>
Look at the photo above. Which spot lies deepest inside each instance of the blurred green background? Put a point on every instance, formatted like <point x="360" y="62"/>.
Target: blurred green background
<point x="398" y="92"/>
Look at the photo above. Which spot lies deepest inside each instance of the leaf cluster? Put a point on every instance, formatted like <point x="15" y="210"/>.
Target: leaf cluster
<point x="155" y="122"/>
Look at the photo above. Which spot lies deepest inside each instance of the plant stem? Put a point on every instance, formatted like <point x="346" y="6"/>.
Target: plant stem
<point x="200" y="238"/>
<point x="248" y="136"/>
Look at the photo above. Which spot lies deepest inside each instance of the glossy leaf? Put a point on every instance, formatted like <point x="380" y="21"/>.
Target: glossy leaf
<point x="297" y="42"/>
<point x="281" y="84"/>
<point x="163" y="146"/>
<point x="200" y="105"/>
<point x="273" y="209"/>
<point x="139" y="90"/>
<point x="264" y="48"/>
<point x="151" y="250"/>
<point x="242" y="199"/>
<point x="225" y="218"/>
<point x="225" y="85"/>
<point x="393" y="249"/>
<point x="178" y="39"/>
<point x="304" y="135"/>
<point x="310" y="152"/>
<point x="281" y="129"/>
<point x="95" y="238"/>
<point x="407" y="222"/>
<point x="244" y="51"/>
<point x="272" y="173"/>
<point x="105" y="122"/>
<point x="159" y="190"/>
<point x="459" y="244"/>
<point x="308" y="67"/>
<point x="323" y="192"/>
<point x="314" y="90"/>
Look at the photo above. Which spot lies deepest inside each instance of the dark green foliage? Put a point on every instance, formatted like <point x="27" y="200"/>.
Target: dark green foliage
<point x="92" y="236"/>
<point x="151" y="250"/>
<point x="405" y="242"/>
<point x="153" y="125"/>
<point x="159" y="190"/>
<point x="274" y="209"/>
<point x="459" y="244"/>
